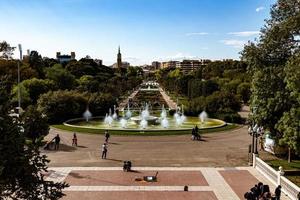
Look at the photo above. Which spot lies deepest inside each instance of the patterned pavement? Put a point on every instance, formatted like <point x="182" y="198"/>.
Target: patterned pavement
<point x="203" y="183"/>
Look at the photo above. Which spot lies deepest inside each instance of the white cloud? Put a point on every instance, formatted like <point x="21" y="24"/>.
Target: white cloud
<point x="196" y="33"/>
<point x="244" y="33"/>
<point x="178" y="57"/>
<point x="260" y="9"/>
<point x="234" y="43"/>
<point x="134" y="59"/>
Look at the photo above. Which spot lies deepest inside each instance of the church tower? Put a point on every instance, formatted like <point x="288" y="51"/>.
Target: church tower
<point x="119" y="59"/>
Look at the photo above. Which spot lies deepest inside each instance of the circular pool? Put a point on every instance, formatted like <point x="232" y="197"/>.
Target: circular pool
<point x="133" y="125"/>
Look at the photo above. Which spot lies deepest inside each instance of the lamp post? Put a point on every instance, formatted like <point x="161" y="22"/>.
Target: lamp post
<point x="19" y="90"/>
<point x="255" y="131"/>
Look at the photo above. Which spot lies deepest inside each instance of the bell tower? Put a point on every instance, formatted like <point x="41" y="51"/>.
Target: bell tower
<point x="119" y="59"/>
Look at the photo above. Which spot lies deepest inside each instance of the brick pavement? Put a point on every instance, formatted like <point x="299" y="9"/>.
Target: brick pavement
<point x="112" y="183"/>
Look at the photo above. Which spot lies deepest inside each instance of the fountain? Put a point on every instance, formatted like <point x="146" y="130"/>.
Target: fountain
<point x="163" y="112"/>
<point x="115" y="116"/>
<point x="145" y="115"/>
<point x="143" y="124"/>
<point x="87" y="115"/>
<point x="159" y="121"/>
<point x="203" y="117"/>
<point x="108" y="118"/>
<point x="164" y="121"/>
<point x="123" y="123"/>
<point x="145" y="120"/>
<point x="128" y="113"/>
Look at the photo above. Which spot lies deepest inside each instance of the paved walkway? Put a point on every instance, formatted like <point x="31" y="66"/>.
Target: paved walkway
<point x="203" y="183"/>
<point x="225" y="149"/>
<point x="124" y="103"/>
<point x="171" y="104"/>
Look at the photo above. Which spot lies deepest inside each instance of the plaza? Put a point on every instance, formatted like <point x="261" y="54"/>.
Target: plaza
<point x="214" y="168"/>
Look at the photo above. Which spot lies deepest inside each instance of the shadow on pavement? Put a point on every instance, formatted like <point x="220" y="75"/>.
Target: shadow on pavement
<point x="62" y="147"/>
<point x="115" y="143"/>
<point x="80" y="146"/>
<point x="76" y="175"/>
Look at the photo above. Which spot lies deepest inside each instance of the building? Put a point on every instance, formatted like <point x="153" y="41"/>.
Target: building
<point x="169" y="64"/>
<point x="119" y="59"/>
<point x="99" y="62"/>
<point x="65" y="58"/>
<point x="123" y="65"/>
<point x="119" y="64"/>
<point x="156" y="65"/>
<point x="187" y="66"/>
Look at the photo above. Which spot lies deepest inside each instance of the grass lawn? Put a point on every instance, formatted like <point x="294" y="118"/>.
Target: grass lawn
<point x="141" y="133"/>
<point x="293" y="165"/>
<point x="275" y="162"/>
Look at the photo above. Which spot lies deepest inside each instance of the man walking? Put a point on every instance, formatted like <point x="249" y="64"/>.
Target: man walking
<point x="56" y="141"/>
<point x="278" y="192"/>
<point x="104" y="151"/>
<point x="106" y="136"/>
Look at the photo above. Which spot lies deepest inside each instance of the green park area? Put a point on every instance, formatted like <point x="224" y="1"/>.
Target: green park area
<point x="39" y="95"/>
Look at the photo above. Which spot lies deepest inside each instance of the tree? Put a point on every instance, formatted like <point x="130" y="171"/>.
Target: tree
<point x="62" y="105"/>
<point x="35" y="124"/>
<point x="35" y="87"/>
<point x="100" y="103"/>
<point x="82" y="67"/>
<point x="62" y="78"/>
<point x="244" y="92"/>
<point x="22" y="167"/>
<point x="289" y="124"/>
<point x="24" y="95"/>
<point x="273" y="106"/>
<point x="266" y="61"/>
<point x="36" y="63"/>
<point x="6" y="50"/>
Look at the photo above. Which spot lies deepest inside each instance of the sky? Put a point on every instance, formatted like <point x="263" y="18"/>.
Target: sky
<point x="146" y="30"/>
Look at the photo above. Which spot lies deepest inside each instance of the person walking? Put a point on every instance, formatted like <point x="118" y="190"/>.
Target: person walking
<point x="56" y="141"/>
<point x="104" y="151"/>
<point x="196" y="129"/>
<point x="106" y="135"/>
<point x="193" y="134"/>
<point x="74" y="140"/>
<point x="278" y="192"/>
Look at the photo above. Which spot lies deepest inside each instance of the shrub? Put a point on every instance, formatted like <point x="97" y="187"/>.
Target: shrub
<point x="61" y="105"/>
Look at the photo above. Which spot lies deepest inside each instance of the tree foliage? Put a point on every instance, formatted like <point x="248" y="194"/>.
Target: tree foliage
<point x="62" y="78"/>
<point x="6" y="50"/>
<point x="62" y="105"/>
<point x="22" y="167"/>
<point x="273" y="86"/>
<point x="35" y="124"/>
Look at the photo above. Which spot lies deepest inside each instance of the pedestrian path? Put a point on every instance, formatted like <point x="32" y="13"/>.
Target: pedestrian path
<point x="112" y="183"/>
<point x="124" y="103"/>
<point x="171" y="104"/>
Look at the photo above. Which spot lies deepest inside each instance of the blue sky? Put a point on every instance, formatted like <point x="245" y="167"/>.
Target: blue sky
<point x="146" y="30"/>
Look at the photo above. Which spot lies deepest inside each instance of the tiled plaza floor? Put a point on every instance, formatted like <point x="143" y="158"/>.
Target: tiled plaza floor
<point x="142" y="195"/>
<point x="203" y="183"/>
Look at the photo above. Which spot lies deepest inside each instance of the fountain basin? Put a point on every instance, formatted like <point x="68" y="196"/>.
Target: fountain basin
<point x="97" y="123"/>
<point x="150" y="119"/>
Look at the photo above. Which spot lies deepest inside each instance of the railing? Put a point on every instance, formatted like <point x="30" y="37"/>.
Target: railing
<point x="289" y="188"/>
<point x="266" y="170"/>
<point x="276" y="178"/>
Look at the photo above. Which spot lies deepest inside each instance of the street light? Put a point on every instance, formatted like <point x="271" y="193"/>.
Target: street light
<point x="255" y="131"/>
<point x="19" y="92"/>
